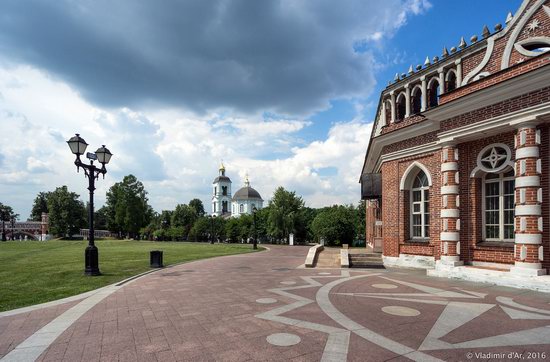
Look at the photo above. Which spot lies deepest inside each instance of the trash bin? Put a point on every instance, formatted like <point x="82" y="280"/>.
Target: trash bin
<point x="156" y="259"/>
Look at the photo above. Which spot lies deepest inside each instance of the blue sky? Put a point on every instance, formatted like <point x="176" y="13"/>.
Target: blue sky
<point x="282" y="90"/>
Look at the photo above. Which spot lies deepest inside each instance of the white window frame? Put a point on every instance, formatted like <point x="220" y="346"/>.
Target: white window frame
<point x="422" y="211"/>
<point x="241" y="208"/>
<point x="501" y="179"/>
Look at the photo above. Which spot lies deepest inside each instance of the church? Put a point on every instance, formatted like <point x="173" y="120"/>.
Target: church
<point x="245" y="200"/>
<point x="456" y="175"/>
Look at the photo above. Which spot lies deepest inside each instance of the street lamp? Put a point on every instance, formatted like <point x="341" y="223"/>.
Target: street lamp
<point x="103" y="156"/>
<point x="255" y="245"/>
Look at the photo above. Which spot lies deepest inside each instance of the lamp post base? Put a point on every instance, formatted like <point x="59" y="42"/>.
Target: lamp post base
<point x="91" y="260"/>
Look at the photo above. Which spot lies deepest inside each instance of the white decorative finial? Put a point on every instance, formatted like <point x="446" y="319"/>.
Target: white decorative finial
<point x="411" y="71"/>
<point x="445" y="52"/>
<point x="486" y="32"/>
<point x="509" y="17"/>
<point x="427" y="61"/>
<point x="462" y="44"/>
<point x="246" y="181"/>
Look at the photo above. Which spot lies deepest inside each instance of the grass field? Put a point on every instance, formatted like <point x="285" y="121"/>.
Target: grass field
<point x="37" y="272"/>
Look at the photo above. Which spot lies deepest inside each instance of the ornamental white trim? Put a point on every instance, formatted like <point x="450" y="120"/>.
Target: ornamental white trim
<point x="450" y="213"/>
<point x="528" y="239"/>
<point x="527" y="152"/>
<point x="528" y="210"/>
<point x="449" y="166"/>
<point x="494" y="158"/>
<point x="406" y="183"/>
<point x="450" y="236"/>
<point x="449" y="190"/>
<point x="527" y="181"/>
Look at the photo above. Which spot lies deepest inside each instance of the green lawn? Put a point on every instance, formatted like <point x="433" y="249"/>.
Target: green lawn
<point x="33" y="272"/>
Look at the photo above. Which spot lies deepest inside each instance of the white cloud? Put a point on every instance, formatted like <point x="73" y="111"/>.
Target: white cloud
<point x="176" y="154"/>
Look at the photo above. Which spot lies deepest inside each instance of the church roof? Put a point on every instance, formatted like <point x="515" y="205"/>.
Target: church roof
<point x="221" y="178"/>
<point x="247" y="193"/>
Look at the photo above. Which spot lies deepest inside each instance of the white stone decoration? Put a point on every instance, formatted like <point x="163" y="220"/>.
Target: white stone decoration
<point x="539" y="195"/>
<point x="494" y="157"/>
<point x="456" y="154"/>
<point x="522" y="166"/>
<point x="283" y="339"/>
<point x="458" y="201"/>
<point x="528" y="210"/>
<point x="522" y="223"/>
<point x="445" y="224"/>
<point x="527" y="181"/>
<point x="522" y="138"/>
<point x="528" y="238"/>
<point x="401" y="311"/>
<point x="539" y="166"/>
<point x="525" y="152"/>
<point x="445" y="178"/>
<point x="458" y="224"/>
<point x="537" y="137"/>
<point x="540" y="224"/>
<point x="522" y="193"/>
<point x="458" y="248"/>
<point x="523" y="252"/>
<point x="541" y="253"/>
<point x="533" y="25"/>
<point x="457" y="178"/>
<point x="445" y="200"/>
<point x="445" y="248"/>
<point x="450" y="213"/>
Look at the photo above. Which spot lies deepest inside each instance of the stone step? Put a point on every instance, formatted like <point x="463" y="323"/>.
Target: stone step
<point x="365" y="258"/>
<point x="367" y="265"/>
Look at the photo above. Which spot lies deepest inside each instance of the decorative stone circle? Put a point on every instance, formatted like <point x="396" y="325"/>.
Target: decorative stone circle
<point x="401" y="311"/>
<point x="266" y="300"/>
<point x="324" y="273"/>
<point x="283" y="339"/>
<point x="288" y="283"/>
<point x="384" y="286"/>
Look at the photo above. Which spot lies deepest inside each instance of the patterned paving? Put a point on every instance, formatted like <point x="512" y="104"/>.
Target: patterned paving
<point x="272" y="310"/>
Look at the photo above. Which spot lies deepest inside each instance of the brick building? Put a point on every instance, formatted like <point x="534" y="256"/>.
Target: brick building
<point x="457" y="170"/>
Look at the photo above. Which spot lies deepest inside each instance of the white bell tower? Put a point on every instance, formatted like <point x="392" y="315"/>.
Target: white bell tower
<point x="221" y="194"/>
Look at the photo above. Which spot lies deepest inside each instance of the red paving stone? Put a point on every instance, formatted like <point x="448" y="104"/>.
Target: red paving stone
<point x="207" y="311"/>
<point x="16" y="328"/>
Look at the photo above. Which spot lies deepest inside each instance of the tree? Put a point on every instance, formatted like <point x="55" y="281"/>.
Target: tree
<point x="284" y="215"/>
<point x="6" y="215"/>
<point x="100" y="219"/>
<point x="39" y="206"/>
<point x="127" y="207"/>
<point x="184" y="216"/>
<point x="336" y="225"/>
<point x="232" y="230"/>
<point x="201" y="230"/>
<point x="361" y="213"/>
<point x="197" y="205"/>
<point x="67" y="214"/>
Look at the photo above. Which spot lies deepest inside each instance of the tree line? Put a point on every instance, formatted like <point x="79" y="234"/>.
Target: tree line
<point x="127" y="214"/>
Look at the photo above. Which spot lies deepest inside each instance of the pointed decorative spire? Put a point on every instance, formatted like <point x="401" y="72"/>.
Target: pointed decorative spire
<point x="396" y="78"/>
<point x="445" y="52"/>
<point x="411" y="71"/>
<point x="462" y="44"/>
<point x="246" y="180"/>
<point x="427" y="61"/>
<point x="473" y="39"/>
<point x="509" y="17"/>
<point x="486" y="32"/>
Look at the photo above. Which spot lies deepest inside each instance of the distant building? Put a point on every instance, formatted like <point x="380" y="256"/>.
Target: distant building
<point x="221" y="194"/>
<point x="243" y="202"/>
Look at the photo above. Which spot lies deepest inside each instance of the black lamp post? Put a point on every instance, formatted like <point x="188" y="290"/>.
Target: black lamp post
<point x="103" y="156"/>
<point x="255" y="245"/>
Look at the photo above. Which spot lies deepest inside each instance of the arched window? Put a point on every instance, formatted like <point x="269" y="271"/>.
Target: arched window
<point x="224" y="190"/>
<point x="420" y="207"/>
<point x="498" y="206"/>
<point x="450" y="81"/>
<point x="433" y="93"/>
<point x="215" y="190"/>
<point x="241" y="208"/>
<point x="416" y="100"/>
<point x="388" y="112"/>
<point x="401" y="107"/>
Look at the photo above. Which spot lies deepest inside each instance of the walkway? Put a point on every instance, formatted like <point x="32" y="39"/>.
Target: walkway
<point x="264" y="307"/>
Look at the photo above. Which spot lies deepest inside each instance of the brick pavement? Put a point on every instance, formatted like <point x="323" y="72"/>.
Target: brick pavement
<point x="227" y="308"/>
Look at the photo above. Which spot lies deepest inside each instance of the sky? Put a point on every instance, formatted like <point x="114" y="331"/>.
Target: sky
<point x="282" y="90"/>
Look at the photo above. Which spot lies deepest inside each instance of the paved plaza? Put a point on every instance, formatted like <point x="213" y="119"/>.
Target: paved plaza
<point x="267" y="307"/>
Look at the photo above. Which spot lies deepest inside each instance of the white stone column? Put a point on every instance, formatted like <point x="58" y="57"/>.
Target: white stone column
<point x="450" y="212"/>
<point x="441" y="81"/>
<point x="407" y="100"/>
<point x="384" y="120"/>
<point x="458" y="64"/>
<point x="424" y="98"/>
<point x="528" y="249"/>
<point x="392" y="101"/>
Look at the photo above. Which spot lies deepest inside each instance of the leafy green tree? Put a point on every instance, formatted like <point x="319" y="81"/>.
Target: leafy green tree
<point x="197" y="205"/>
<point x="6" y="214"/>
<point x="127" y="206"/>
<point x="67" y="214"/>
<point x="232" y="230"/>
<point x="39" y="206"/>
<point x="201" y="230"/>
<point x="336" y="225"/>
<point x="100" y="219"/>
<point x="284" y="214"/>
<point x="246" y="227"/>
<point x="361" y="214"/>
<point x="184" y="216"/>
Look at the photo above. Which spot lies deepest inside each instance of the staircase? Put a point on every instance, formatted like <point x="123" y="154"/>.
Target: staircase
<point x="366" y="260"/>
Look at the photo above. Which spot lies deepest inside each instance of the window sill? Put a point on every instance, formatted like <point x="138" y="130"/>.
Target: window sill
<point x="418" y="241"/>
<point x="499" y="244"/>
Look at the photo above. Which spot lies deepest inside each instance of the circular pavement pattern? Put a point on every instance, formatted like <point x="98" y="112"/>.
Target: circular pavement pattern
<point x="288" y="283"/>
<point x="324" y="273"/>
<point x="283" y="339"/>
<point x="266" y="300"/>
<point x="401" y="311"/>
<point x="384" y="286"/>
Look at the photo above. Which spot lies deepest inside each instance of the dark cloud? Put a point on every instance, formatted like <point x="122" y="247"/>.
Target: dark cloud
<point x="286" y="56"/>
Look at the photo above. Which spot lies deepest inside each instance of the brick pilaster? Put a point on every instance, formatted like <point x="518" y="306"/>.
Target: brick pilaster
<point x="528" y="211"/>
<point x="450" y="204"/>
